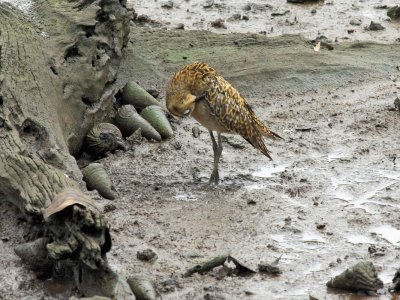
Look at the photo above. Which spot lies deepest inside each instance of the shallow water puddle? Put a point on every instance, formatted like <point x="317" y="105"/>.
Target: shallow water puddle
<point x="360" y="187"/>
<point x="268" y="171"/>
<point x="387" y="232"/>
<point x="359" y="239"/>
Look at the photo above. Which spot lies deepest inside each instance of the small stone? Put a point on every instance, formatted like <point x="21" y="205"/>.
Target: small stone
<point x="251" y="202"/>
<point x="247" y="7"/>
<point x="375" y="26"/>
<point x="397" y="104"/>
<point x="313" y="11"/>
<point x="355" y="22"/>
<point x="180" y="26"/>
<point x="208" y="3"/>
<point x="109" y="207"/>
<point x="167" y="4"/>
<point x="236" y="17"/>
<point x="177" y="145"/>
<point x="146" y="255"/>
<point x="196" y="131"/>
<point x="321" y="226"/>
<point x="218" y="23"/>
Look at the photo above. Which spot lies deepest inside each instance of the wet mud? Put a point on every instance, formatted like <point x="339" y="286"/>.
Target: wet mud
<point x="328" y="200"/>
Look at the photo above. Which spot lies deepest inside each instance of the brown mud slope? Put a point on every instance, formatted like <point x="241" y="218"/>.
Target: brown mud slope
<point x="331" y="192"/>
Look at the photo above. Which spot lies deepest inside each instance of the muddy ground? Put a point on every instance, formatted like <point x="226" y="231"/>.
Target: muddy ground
<point x="329" y="195"/>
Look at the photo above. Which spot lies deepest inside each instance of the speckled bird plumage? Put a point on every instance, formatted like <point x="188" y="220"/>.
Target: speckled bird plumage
<point x="197" y="89"/>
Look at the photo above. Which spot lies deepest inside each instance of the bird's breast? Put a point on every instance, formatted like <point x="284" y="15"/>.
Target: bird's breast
<point x="203" y="114"/>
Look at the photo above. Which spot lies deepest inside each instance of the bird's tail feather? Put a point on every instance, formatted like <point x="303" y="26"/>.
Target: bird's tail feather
<point x="270" y="134"/>
<point x="264" y="130"/>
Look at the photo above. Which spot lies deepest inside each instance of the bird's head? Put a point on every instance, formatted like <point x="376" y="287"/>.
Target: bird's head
<point x="180" y="102"/>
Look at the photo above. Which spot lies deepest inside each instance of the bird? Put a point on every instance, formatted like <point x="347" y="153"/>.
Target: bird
<point x="200" y="91"/>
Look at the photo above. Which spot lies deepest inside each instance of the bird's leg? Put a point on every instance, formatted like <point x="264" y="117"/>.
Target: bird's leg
<point x="217" y="148"/>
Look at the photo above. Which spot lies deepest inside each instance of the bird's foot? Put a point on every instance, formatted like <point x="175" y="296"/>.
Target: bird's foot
<point x="214" y="179"/>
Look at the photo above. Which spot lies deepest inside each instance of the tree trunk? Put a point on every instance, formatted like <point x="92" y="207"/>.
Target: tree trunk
<point x="56" y="75"/>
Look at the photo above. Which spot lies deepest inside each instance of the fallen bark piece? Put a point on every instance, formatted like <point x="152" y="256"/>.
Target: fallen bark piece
<point x="215" y="262"/>
<point x="360" y="277"/>
<point x="143" y="287"/>
<point x="77" y="228"/>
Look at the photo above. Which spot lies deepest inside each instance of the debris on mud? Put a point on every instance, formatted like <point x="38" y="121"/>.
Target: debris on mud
<point x="376" y="251"/>
<point x="355" y="22"/>
<point x="360" y="277"/>
<point x="218" y="23"/>
<point x="218" y="261"/>
<point x="146" y="255"/>
<point x="196" y="131"/>
<point x="397" y="104"/>
<point x="325" y="45"/>
<point x="167" y="4"/>
<point x="270" y="268"/>
<point x="280" y="13"/>
<point x="394" y="12"/>
<point x="208" y="3"/>
<point x="375" y="26"/>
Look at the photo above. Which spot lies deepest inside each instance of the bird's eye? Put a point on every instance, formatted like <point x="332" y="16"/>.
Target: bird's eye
<point x="186" y="112"/>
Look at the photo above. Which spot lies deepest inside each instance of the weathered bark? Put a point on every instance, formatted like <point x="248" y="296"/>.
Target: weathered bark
<point x="56" y="75"/>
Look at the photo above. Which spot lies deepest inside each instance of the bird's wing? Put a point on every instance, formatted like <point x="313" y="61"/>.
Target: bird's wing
<point x="233" y="112"/>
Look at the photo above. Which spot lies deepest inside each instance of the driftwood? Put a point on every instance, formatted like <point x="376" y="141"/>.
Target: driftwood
<point x="57" y="67"/>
